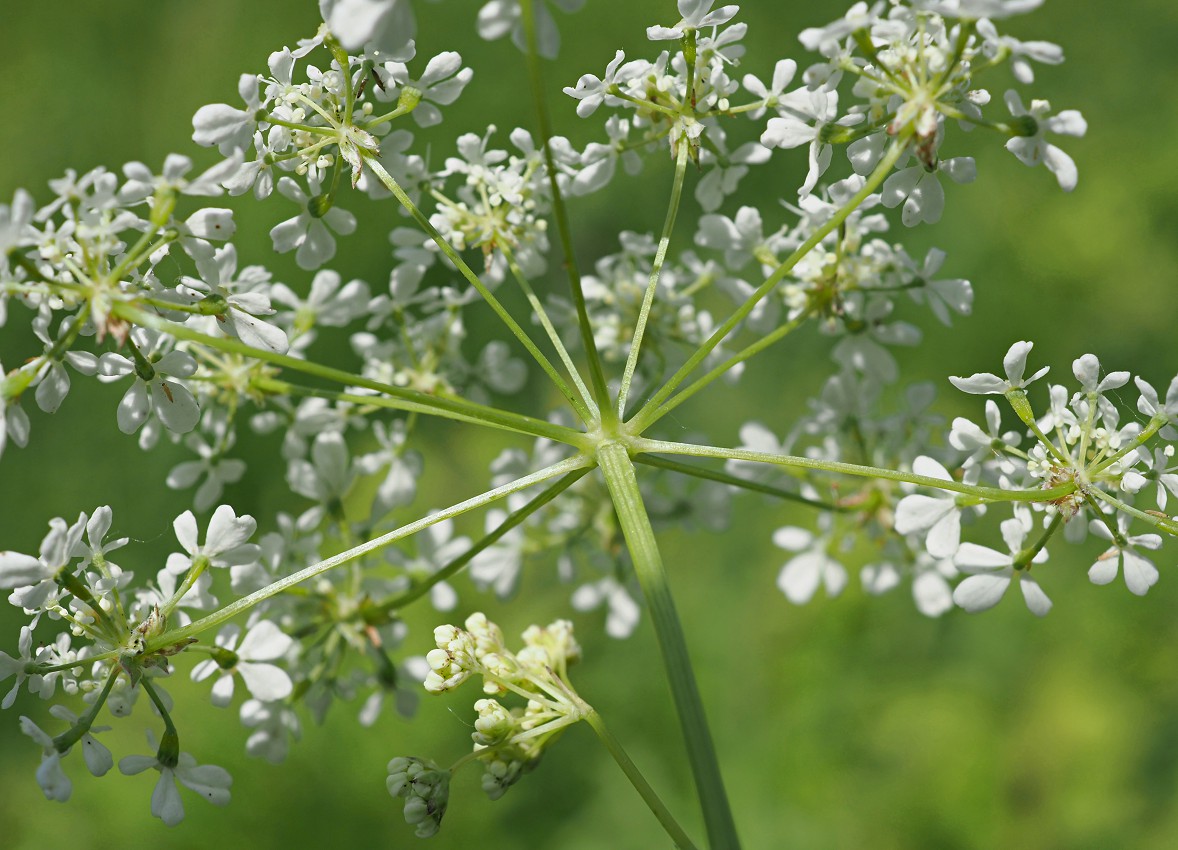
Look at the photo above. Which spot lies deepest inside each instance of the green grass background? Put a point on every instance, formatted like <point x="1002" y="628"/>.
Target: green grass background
<point x="845" y="724"/>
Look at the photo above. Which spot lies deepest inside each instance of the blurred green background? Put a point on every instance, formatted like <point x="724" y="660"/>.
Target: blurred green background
<point x="845" y="724"/>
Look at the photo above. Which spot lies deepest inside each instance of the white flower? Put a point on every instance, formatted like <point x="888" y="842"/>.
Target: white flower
<point x="310" y="234"/>
<point x="52" y="779"/>
<point x="696" y="15"/>
<point x="10" y="666"/>
<point x="921" y="193"/>
<point x="386" y="26"/>
<point x="1019" y="52"/>
<point x="273" y="724"/>
<point x="592" y="92"/>
<point x="207" y="780"/>
<point x="216" y="470"/>
<point x="770" y="96"/>
<point x="945" y="295"/>
<point x="827" y="40"/>
<point x="930" y="586"/>
<point x="939" y="515"/>
<point x="263" y="643"/>
<point x="1034" y="149"/>
<point x="441" y="83"/>
<point x="623" y="612"/>
<point x="987" y="383"/>
<point x="327" y="303"/>
<point x="1140" y="573"/>
<point x="228" y="128"/>
<point x="1149" y="404"/>
<point x="152" y="391"/>
<point x="984" y="446"/>
<point x="803" y="115"/>
<point x="800" y="577"/>
<point x="993" y="572"/>
<point x="244" y="297"/>
<point x="499" y="17"/>
<point x="225" y="542"/>
<point x="978" y="9"/>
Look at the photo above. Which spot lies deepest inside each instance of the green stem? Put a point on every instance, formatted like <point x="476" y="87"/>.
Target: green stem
<point x="269" y="385"/>
<point x="596" y="373"/>
<point x="466" y="411"/>
<point x="741" y="356"/>
<point x="655" y="270"/>
<point x="656" y="805"/>
<point x="1155" y="424"/>
<point x="1161" y="523"/>
<point x="513" y="520"/>
<point x="899" y="145"/>
<point x="648" y="565"/>
<point x="585" y="406"/>
<point x="74" y="734"/>
<point x="466" y="271"/>
<point x="993" y="494"/>
<point x="737" y="481"/>
<point x="246" y="602"/>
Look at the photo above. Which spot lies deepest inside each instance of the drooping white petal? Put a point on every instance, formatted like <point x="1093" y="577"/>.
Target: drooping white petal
<point x="981" y="592"/>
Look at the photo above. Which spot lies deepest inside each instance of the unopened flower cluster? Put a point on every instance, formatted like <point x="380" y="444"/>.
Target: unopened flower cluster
<point x="508" y="741"/>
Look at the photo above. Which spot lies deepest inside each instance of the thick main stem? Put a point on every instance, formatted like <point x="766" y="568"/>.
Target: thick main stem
<point x="618" y="471"/>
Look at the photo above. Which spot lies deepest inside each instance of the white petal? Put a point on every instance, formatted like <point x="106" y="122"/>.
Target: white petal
<point x="265" y="681"/>
<point x="165" y="799"/>
<point x="799" y="578"/>
<point x="918" y="512"/>
<point x="1140" y="573"/>
<point x="1104" y="570"/>
<point x="1036" y="599"/>
<point x="944" y="538"/>
<point x="980" y="592"/>
<point x="971" y="555"/>
<point x="264" y="642"/>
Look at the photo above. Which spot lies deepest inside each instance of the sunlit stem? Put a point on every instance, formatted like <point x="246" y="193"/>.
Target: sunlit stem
<point x="652" y="800"/>
<point x="465" y="270"/>
<point x="421" y="402"/>
<point x="273" y="589"/>
<point x="585" y="405"/>
<point x="596" y="373"/>
<point x="1017" y="398"/>
<point x="655" y="271"/>
<point x="895" y="151"/>
<point x="1156" y="424"/>
<point x="74" y="734"/>
<point x="736" y="481"/>
<point x="169" y="749"/>
<point x="723" y="369"/>
<point x="513" y="520"/>
<point x="199" y="565"/>
<point x="268" y="385"/>
<point x="1161" y="523"/>
<point x="1024" y="558"/>
<point x="619" y="475"/>
<point x="990" y="494"/>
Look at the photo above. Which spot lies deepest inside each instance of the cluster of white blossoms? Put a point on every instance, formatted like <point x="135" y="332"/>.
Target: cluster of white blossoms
<point x="126" y="283"/>
<point x="508" y="741"/>
<point x="1072" y="469"/>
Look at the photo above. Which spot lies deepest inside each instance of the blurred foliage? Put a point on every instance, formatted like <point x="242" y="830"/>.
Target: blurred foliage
<point x="845" y="724"/>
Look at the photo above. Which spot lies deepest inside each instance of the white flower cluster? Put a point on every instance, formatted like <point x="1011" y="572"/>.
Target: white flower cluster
<point x="1094" y="466"/>
<point x="124" y="286"/>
